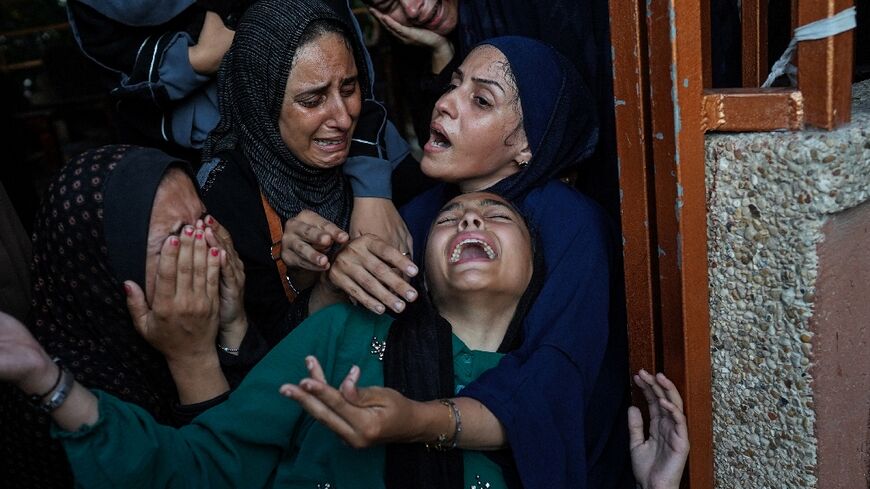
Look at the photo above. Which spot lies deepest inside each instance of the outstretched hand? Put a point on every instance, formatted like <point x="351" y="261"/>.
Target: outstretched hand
<point x="658" y="461"/>
<point x="362" y="417"/>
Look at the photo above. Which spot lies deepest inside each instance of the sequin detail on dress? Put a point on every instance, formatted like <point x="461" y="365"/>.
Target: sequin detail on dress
<point x="378" y="348"/>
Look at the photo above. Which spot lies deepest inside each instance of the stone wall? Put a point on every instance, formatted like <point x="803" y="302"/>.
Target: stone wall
<point x="769" y="196"/>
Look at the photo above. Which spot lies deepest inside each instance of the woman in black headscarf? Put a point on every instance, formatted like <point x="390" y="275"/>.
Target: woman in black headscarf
<point x="290" y="91"/>
<point x="98" y="236"/>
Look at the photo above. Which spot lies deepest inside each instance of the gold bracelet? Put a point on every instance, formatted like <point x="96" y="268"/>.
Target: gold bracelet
<point x="443" y="443"/>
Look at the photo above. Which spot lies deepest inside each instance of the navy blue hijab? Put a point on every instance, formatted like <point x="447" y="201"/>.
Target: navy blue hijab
<point x="558" y="113"/>
<point x="562" y="394"/>
<point x="578" y="29"/>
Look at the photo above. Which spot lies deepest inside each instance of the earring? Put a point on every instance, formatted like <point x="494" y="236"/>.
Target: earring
<point x="523" y="164"/>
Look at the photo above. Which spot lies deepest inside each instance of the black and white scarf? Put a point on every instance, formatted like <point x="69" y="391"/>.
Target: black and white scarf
<point x="251" y="84"/>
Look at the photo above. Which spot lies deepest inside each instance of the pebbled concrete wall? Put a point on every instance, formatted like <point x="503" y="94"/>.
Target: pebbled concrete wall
<point x="769" y="196"/>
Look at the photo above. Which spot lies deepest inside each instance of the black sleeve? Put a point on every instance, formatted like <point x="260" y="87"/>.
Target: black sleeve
<point x="184" y="413"/>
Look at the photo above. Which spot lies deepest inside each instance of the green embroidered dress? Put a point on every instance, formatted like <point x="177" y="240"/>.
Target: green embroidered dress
<point x="259" y="438"/>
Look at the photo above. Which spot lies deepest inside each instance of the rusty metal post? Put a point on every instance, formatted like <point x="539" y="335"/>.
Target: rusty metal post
<point x="676" y="83"/>
<point x="630" y="104"/>
<point x="825" y="67"/>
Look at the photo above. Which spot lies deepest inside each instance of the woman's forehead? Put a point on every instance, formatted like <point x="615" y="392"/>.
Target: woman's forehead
<point x="477" y="200"/>
<point x="488" y="60"/>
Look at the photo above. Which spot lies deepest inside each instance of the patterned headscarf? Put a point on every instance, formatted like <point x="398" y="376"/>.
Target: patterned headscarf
<point x="251" y="84"/>
<point x="90" y="236"/>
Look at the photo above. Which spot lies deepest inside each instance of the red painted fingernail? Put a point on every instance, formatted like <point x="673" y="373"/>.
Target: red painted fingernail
<point x="188" y="231"/>
<point x="209" y="220"/>
<point x="215" y="252"/>
<point x="127" y="289"/>
<point x="199" y="235"/>
<point x="174" y="241"/>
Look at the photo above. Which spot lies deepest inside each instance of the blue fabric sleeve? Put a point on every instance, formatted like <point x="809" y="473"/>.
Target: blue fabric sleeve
<point x="195" y="117"/>
<point x="370" y="176"/>
<point x="139" y="12"/>
<point x="397" y="148"/>
<point x="175" y="71"/>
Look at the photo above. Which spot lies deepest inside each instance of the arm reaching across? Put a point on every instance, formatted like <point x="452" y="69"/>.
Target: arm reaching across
<point x="658" y="461"/>
<point x="25" y="363"/>
<point x="374" y="273"/>
<point x="369" y="416"/>
<point x="240" y="443"/>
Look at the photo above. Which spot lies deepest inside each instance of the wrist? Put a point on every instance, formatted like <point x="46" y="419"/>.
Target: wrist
<point x="192" y="364"/>
<point x="232" y="334"/>
<point x="442" y="53"/>
<point x="42" y="379"/>
<point x="324" y="294"/>
<point x="430" y="420"/>
<point x="198" y="378"/>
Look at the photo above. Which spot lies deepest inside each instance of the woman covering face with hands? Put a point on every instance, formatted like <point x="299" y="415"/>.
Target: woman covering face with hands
<point x="121" y="235"/>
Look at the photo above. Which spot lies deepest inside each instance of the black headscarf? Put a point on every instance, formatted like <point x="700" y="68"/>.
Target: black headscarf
<point x="90" y="235"/>
<point x="419" y="337"/>
<point x="251" y="84"/>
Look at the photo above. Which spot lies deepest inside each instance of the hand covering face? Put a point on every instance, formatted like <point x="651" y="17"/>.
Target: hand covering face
<point x="89" y="237"/>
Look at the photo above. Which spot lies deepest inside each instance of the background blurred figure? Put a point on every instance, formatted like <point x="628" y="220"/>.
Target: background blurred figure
<point x="159" y="58"/>
<point x="14" y="261"/>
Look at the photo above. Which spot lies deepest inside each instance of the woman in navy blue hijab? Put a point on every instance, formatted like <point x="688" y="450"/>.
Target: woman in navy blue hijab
<point x="447" y="30"/>
<point x="561" y="396"/>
